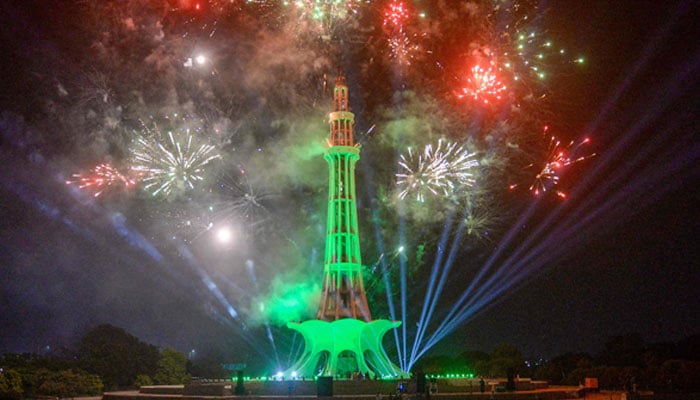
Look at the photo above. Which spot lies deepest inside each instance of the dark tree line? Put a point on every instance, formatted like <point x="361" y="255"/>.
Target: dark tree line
<point x="117" y="356"/>
<point x="29" y="375"/>
<point x="662" y="367"/>
<point x="107" y="358"/>
<point x="668" y="366"/>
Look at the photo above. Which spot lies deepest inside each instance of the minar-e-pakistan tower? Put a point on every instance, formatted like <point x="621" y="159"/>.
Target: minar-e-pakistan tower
<point x="343" y="338"/>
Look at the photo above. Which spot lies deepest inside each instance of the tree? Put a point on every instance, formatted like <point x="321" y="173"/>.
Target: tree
<point x="208" y="365"/>
<point x="32" y="377"/>
<point x="681" y="375"/>
<point x="10" y="385"/>
<point x="624" y="351"/>
<point x="436" y="365"/>
<point x="506" y="360"/>
<point x="172" y="368"/>
<point x="68" y="383"/>
<point x="474" y="360"/>
<point x="557" y="370"/>
<point x="143" y="380"/>
<point x="117" y="356"/>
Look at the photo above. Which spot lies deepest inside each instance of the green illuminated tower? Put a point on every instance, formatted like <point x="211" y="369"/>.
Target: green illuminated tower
<point x="343" y="293"/>
<point x="343" y="339"/>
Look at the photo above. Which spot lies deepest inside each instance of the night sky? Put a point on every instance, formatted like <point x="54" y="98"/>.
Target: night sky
<point x="81" y="80"/>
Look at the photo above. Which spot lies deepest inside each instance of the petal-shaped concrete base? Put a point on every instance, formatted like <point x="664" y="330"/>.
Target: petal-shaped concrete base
<point x="344" y="346"/>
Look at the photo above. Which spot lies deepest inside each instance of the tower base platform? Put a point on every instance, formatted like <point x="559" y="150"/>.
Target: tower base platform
<point x="452" y="389"/>
<point x="344" y="347"/>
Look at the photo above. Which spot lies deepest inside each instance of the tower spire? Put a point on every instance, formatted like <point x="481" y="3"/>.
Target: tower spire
<point x="343" y="294"/>
<point x="341" y="119"/>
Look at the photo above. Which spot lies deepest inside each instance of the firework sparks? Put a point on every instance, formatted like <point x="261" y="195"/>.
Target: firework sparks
<point x="186" y="219"/>
<point x="401" y="47"/>
<point x="477" y="224"/>
<point x="523" y="50"/>
<point x="326" y="12"/>
<point x="460" y="163"/>
<point x="239" y="199"/>
<point x="204" y="14"/>
<point x="483" y="85"/>
<point x="395" y="15"/>
<point x="420" y="175"/>
<point x="171" y="163"/>
<point x="439" y="170"/>
<point x="102" y="178"/>
<point x="558" y="158"/>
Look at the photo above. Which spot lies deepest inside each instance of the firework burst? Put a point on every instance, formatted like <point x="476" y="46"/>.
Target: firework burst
<point x="476" y="223"/>
<point x="401" y="47"/>
<point x="558" y="158"/>
<point x="203" y="15"/>
<point x="522" y="49"/>
<point x="439" y="170"/>
<point x="171" y="163"/>
<point x="237" y="198"/>
<point x="187" y="219"/>
<point x="420" y="176"/>
<point x="102" y="178"/>
<point x="395" y="15"/>
<point x="483" y="85"/>
<point x="326" y="12"/>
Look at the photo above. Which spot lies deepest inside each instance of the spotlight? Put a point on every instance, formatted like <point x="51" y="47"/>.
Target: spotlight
<point x="224" y="235"/>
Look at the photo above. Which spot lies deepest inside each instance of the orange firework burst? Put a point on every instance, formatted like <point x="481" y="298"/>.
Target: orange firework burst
<point x="102" y="178"/>
<point x="395" y="15"/>
<point x="483" y="85"/>
<point x="558" y="158"/>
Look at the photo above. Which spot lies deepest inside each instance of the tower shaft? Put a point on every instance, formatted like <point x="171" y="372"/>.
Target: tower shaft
<point x="343" y="294"/>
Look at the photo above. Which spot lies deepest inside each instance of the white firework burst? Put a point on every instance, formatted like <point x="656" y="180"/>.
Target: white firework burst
<point x="439" y="170"/>
<point x="170" y="163"/>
